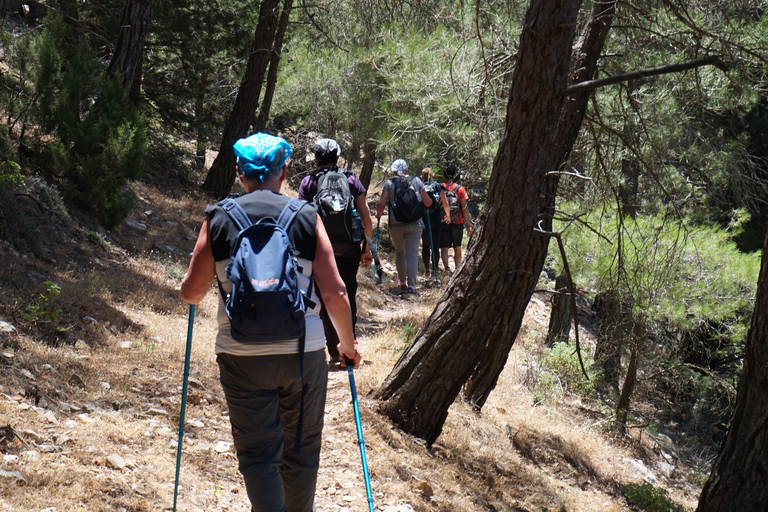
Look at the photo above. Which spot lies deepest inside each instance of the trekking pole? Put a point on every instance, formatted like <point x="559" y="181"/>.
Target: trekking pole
<point x="434" y="254"/>
<point x="183" y="401"/>
<point x="376" y="250"/>
<point x="360" y="441"/>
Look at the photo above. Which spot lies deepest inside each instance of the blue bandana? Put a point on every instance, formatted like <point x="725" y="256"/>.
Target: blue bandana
<point x="260" y="154"/>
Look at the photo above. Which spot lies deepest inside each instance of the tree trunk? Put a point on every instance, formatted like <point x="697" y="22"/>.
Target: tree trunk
<point x="570" y="114"/>
<point x="274" y="63"/>
<point x="481" y="309"/>
<point x="130" y="43"/>
<point x="610" y="334"/>
<point x="622" y="406"/>
<point x="561" y="313"/>
<point x="202" y="146"/>
<point x="739" y="479"/>
<point x="221" y="176"/>
<point x="369" y="162"/>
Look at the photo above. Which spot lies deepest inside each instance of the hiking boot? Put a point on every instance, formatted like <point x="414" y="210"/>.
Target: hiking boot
<point x="411" y="290"/>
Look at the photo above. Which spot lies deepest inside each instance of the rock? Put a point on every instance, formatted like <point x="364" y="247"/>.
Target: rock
<point x="10" y="459"/>
<point x="223" y="447"/>
<point x="136" y="225"/>
<point x="50" y="417"/>
<point x="195" y="383"/>
<point x="639" y="469"/>
<point x="116" y="461"/>
<point x="104" y="387"/>
<point x="61" y="439"/>
<point x="31" y="434"/>
<point x="76" y="381"/>
<point x="30" y="456"/>
<point x="125" y="345"/>
<point x="170" y="249"/>
<point x="85" y="418"/>
<point x="12" y="475"/>
<point x="425" y="489"/>
<point x="28" y="374"/>
<point x="6" y="327"/>
<point x="156" y="411"/>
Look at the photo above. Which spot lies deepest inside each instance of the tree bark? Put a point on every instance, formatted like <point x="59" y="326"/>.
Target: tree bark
<point x="201" y="145"/>
<point x="611" y="334"/>
<point x="622" y="406"/>
<point x="369" y="162"/>
<point x="561" y="313"/>
<point x="481" y="309"/>
<point x="274" y="63"/>
<point x="130" y="43"/>
<point x="739" y="479"/>
<point x="221" y="176"/>
<point x="583" y="65"/>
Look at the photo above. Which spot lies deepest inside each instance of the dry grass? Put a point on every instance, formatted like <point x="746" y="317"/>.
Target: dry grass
<point x="111" y="385"/>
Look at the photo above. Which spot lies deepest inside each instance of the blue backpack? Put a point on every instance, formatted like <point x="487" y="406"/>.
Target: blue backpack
<point x="266" y="304"/>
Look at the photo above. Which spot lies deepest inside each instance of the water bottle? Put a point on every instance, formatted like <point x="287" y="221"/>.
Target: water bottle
<point x="357" y="226"/>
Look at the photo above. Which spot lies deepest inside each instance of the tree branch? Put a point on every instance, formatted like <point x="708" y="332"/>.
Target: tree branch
<point x="588" y="85"/>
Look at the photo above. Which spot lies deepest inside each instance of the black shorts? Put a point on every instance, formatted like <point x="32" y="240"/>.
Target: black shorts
<point x="451" y="235"/>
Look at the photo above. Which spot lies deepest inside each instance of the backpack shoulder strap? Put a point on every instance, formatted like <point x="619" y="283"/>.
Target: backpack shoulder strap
<point x="236" y="213"/>
<point x="289" y="213"/>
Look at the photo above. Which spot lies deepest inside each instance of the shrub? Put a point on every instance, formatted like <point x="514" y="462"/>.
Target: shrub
<point x="650" y="498"/>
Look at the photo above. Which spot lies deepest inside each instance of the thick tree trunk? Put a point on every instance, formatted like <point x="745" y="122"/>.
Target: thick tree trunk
<point x="274" y="63"/>
<point x="561" y="313"/>
<point x="739" y="479"/>
<point x="221" y="176"/>
<point x="482" y="307"/>
<point x="583" y="65"/>
<point x="611" y="334"/>
<point x="130" y="43"/>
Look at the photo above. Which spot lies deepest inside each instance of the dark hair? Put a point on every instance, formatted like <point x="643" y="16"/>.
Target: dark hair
<point x="323" y="155"/>
<point x="450" y="171"/>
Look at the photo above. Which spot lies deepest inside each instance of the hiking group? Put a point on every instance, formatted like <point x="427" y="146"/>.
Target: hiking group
<point x="287" y="277"/>
<point x="415" y="207"/>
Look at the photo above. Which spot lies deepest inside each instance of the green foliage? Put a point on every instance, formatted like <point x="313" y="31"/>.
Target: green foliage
<point x="10" y="175"/>
<point x="99" y="139"/>
<point x="416" y="89"/>
<point x="559" y="372"/>
<point x="677" y="273"/>
<point x="43" y="308"/>
<point x="406" y="335"/>
<point x="650" y="498"/>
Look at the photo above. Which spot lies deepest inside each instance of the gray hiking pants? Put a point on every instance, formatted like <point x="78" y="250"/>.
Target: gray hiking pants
<point x="406" y="238"/>
<point x="264" y="395"/>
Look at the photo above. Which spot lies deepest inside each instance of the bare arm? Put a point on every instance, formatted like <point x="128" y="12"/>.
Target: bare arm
<point x="382" y="204"/>
<point x="446" y="210"/>
<point x="365" y="214"/>
<point x="334" y="294"/>
<point x="202" y="268"/>
<point x="465" y="214"/>
<point x="425" y="198"/>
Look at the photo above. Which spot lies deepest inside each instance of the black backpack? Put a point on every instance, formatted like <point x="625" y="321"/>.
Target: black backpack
<point x="433" y="190"/>
<point x="335" y="203"/>
<point x="406" y="206"/>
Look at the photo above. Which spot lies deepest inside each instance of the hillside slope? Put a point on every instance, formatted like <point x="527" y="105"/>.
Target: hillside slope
<point x="90" y="386"/>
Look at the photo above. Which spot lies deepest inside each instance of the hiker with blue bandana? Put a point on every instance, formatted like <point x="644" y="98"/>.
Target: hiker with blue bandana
<point x="270" y="352"/>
